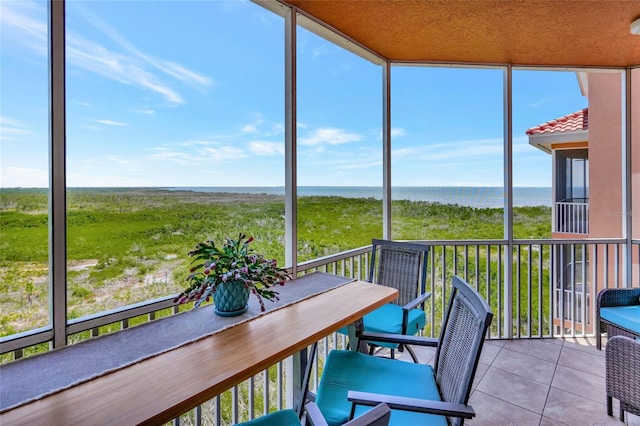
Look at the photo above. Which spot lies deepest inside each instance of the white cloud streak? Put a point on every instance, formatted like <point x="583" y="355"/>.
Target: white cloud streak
<point x="266" y="148"/>
<point x="329" y="136"/>
<point x="111" y="123"/>
<point x="132" y="66"/>
<point x="11" y="130"/>
<point x="13" y="177"/>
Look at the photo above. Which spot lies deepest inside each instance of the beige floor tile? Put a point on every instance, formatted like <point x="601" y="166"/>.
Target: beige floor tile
<point x="570" y="409"/>
<point x="495" y="342"/>
<point x="545" y="349"/>
<point x="580" y="383"/>
<point x="582" y="360"/>
<point x="513" y="386"/>
<point x="480" y="372"/>
<point x="587" y="344"/>
<point x="525" y="365"/>
<point x="632" y="420"/>
<point x="489" y="353"/>
<point x="514" y="389"/>
<point x="548" y="422"/>
<point x="491" y="411"/>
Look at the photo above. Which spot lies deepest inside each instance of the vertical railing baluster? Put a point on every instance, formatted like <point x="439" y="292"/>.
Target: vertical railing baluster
<point x="499" y="288"/>
<point x="488" y="278"/>
<point x="265" y="391"/>
<point x="594" y="284"/>
<point x="540" y="292"/>
<point x="280" y="385"/>
<point x="455" y="259"/>
<point x="477" y="266"/>
<point x="572" y="294"/>
<point x="606" y="265"/>
<point x="444" y="274"/>
<point x="218" y="410"/>
<point x="251" y="398"/>
<point x="518" y="293"/>
<point x="234" y="404"/>
<point x="433" y="290"/>
<point x="616" y="266"/>
<point x="466" y="264"/>
<point x="529" y="290"/>
<point x="198" y="415"/>
<point x="585" y="301"/>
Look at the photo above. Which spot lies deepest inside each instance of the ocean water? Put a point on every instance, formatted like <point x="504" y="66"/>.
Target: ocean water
<point x="473" y="196"/>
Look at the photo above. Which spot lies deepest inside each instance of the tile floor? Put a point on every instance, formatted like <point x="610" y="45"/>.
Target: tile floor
<point x="540" y="382"/>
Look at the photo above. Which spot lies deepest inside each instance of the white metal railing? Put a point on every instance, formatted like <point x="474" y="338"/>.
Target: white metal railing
<point x="549" y="281"/>
<point x="571" y="217"/>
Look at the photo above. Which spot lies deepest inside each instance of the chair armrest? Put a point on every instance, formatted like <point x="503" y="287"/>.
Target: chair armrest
<point x="314" y="416"/>
<point x="416" y="302"/>
<point x="412" y="404"/>
<point x="397" y="338"/>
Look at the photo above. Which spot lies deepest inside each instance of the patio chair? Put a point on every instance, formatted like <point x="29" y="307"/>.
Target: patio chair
<point x="401" y="265"/>
<point x="304" y="405"/>
<point x="418" y="394"/>
<point x="617" y="313"/>
<point x="622" y="360"/>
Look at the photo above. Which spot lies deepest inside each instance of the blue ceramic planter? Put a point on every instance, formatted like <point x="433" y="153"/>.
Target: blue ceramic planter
<point x="231" y="299"/>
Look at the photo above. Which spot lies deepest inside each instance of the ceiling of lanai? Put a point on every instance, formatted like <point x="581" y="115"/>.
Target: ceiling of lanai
<point x="519" y="32"/>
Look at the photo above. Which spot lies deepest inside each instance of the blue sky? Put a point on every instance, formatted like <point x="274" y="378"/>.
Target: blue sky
<point x="190" y="93"/>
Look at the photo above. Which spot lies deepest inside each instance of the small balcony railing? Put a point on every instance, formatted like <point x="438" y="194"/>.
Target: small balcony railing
<point x="572" y="216"/>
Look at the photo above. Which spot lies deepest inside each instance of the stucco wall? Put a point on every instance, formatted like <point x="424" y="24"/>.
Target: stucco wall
<point x="635" y="151"/>
<point x="605" y="155"/>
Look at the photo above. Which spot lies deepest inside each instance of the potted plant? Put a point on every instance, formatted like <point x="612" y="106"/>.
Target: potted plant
<point x="230" y="274"/>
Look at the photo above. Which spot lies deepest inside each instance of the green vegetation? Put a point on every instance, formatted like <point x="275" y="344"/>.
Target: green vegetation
<point x="129" y="245"/>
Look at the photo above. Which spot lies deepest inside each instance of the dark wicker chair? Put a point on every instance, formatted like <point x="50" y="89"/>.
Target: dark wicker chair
<point x="418" y="394"/>
<point x="401" y="265"/>
<point x="622" y="357"/>
<point x="610" y="297"/>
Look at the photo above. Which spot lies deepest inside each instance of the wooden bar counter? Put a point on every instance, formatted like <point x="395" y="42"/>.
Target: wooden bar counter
<point x="157" y="389"/>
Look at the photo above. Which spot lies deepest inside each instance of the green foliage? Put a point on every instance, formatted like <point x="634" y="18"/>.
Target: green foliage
<point x="128" y="245"/>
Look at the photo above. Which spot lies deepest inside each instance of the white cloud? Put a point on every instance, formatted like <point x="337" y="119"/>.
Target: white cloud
<point x="254" y="126"/>
<point x="27" y="28"/>
<point x="398" y="131"/>
<point x="361" y="165"/>
<point x="177" y="157"/>
<point x="329" y="136"/>
<point x="266" y="148"/>
<point x="111" y="123"/>
<point x="12" y="177"/>
<point x="11" y="129"/>
<point x="224" y="153"/>
<point x="250" y="128"/>
<point x="147" y="111"/>
<point x="24" y="23"/>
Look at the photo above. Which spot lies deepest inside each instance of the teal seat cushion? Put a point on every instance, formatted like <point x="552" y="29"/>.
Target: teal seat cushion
<point x="625" y="316"/>
<point x="388" y="319"/>
<point x="349" y="370"/>
<point x="277" y="418"/>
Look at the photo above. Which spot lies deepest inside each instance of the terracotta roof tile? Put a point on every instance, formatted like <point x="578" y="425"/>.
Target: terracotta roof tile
<point x="576" y="121"/>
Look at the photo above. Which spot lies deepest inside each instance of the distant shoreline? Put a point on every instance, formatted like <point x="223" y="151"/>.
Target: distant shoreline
<point x="471" y="196"/>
